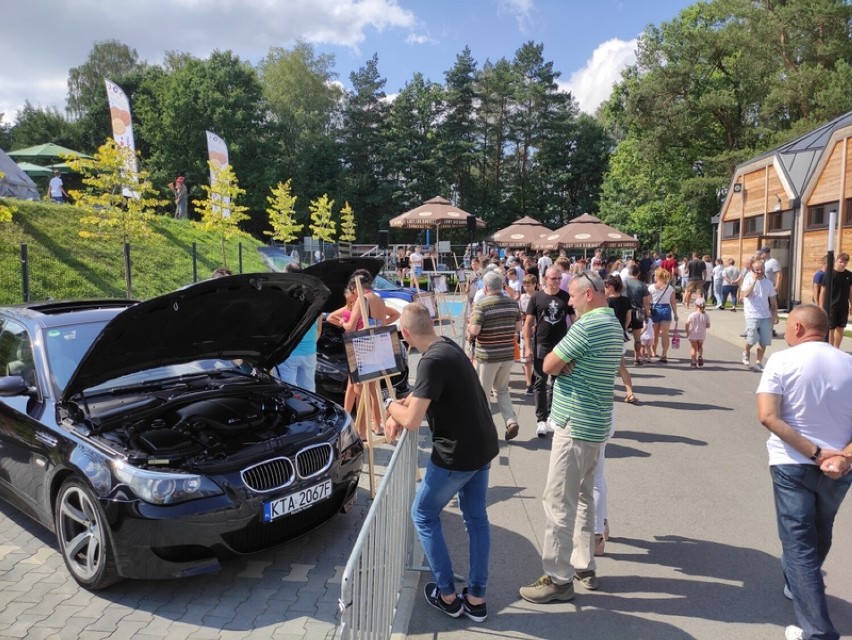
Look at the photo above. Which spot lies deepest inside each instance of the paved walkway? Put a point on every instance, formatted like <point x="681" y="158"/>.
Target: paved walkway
<point x="694" y="550"/>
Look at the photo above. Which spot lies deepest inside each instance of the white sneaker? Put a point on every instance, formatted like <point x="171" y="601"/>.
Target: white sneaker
<point x="787" y="593"/>
<point x="541" y="429"/>
<point x="758" y="366"/>
<point x="794" y="633"/>
<point x="745" y="358"/>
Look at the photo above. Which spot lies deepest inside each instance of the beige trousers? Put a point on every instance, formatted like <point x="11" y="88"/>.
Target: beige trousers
<point x="569" y="507"/>
<point x="495" y="375"/>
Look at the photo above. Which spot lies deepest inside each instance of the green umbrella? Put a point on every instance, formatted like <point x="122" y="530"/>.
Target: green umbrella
<point x="34" y="170"/>
<point x="47" y="151"/>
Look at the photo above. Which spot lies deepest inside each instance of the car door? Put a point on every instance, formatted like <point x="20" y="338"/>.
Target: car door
<point x="25" y="443"/>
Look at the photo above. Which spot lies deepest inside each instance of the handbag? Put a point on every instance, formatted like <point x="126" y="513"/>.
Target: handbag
<point x="675" y="337"/>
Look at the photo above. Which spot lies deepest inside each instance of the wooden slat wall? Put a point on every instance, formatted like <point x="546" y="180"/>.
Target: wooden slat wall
<point x="828" y="183"/>
<point x="754" y="193"/>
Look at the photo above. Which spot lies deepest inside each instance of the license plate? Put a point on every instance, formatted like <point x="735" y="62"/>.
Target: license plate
<point x="296" y="501"/>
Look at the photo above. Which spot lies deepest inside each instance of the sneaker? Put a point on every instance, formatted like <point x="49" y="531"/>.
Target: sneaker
<point x="794" y="633"/>
<point x="692" y="364"/>
<point x="787" y="593"/>
<point x="511" y="430"/>
<point x="529" y="390"/>
<point x="433" y="597"/>
<point x="588" y="579"/>
<point x="700" y="361"/>
<point x="545" y="590"/>
<point x="476" y="612"/>
<point x="745" y="358"/>
<point x="541" y="429"/>
<point x="758" y="366"/>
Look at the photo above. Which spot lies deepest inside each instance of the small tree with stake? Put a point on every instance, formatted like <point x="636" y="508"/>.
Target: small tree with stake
<point x="219" y="211"/>
<point x="347" y="223"/>
<point x="322" y="226"/>
<point x="282" y="214"/>
<point x="108" y="210"/>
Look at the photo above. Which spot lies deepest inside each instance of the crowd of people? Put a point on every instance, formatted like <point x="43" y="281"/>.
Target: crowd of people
<point x="573" y="323"/>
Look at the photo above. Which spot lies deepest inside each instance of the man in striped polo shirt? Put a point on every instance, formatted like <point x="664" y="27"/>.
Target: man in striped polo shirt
<point x="585" y="363"/>
<point x="495" y="321"/>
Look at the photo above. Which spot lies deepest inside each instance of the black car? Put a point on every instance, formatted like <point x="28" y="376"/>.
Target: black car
<point x="151" y="439"/>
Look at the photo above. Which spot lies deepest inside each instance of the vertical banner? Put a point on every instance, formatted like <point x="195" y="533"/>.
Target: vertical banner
<point x="122" y="131"/>
<point x="217" y="154"/>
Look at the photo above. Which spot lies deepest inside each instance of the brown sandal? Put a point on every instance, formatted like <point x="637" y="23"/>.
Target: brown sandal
<point x="631" y="399"/>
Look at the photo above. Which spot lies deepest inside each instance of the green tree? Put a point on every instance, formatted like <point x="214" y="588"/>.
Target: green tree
<point x="220" y="212"/>
<point x="37" y="125"/>
<point x="347" y="223"/>
<point x="457" y="133"/>
<point x="322" y="226"/>
<point x="282" y="214"/>
<point x="6" y="211"/>
<point x="86" y="103"/>
<point x="494" y="90"/>
<point x="107" y="210"/>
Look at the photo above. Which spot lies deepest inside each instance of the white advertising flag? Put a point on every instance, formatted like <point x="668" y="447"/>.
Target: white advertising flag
<point x="217" y="154"/>
<point x="122" y="130"/>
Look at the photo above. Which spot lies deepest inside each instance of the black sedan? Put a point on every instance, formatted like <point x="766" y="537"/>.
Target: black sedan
<point x="151" y="439"/>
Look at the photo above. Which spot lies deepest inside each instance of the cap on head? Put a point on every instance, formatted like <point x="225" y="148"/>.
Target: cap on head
<point x="180" y="179"/>
<point x="764" y="250"/>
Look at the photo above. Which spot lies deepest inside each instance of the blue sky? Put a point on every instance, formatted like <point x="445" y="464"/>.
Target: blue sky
<point x="589" y="42"/>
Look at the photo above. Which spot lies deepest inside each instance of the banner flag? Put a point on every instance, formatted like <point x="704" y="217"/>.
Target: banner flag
<point x="122" y="131"/>
<point x="217" y="154"/>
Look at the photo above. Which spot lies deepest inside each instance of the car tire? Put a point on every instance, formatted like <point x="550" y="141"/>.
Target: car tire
<point x="84" y="537"/>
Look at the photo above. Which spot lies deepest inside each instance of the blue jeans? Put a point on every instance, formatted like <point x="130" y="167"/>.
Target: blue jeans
<point x="438" y="487"/>
<point x="729" y="290"/>
<point x="806" y="502"/>
<point x="300" y="371"/>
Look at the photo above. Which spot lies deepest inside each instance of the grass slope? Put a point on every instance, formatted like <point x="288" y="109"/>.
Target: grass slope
<point x="62" y="265"/>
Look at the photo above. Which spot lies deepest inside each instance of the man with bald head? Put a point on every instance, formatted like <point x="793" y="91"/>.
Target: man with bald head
<point x="805" y="400"/>
<point x="761" y="312"/>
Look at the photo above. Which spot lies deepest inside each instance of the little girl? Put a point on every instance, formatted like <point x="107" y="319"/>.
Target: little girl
<point x="647" y="339"/>
<point x="696" y="331"/>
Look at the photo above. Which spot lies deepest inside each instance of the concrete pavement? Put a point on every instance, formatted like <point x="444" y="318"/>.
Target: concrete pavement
<point x="694" y="549"/>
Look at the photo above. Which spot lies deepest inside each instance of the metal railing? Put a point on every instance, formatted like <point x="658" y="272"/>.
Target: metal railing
<point x="384" y="551"/>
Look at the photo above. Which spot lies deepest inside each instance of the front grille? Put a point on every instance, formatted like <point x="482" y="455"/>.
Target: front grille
<point x="269" y="475"/>
<point x="314" y="460"/>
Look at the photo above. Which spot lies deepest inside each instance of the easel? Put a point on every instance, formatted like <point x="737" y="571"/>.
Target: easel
<point x="439" y="289"/>
<point x="371" y="392"/>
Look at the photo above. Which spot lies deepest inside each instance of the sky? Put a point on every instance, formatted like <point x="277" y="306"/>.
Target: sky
<point x="588" y="41"/>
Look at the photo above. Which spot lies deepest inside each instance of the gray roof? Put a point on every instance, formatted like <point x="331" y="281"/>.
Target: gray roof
<point x="799" y="158"/>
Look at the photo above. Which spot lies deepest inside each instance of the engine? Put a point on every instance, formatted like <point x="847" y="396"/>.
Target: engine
<point x="214" y="430"/>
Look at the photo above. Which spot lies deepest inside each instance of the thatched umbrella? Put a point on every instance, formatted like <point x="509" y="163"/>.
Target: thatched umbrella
<point x="586" y="232"/>
<point x="436" y="213"/>
<point x="521" y="233"/>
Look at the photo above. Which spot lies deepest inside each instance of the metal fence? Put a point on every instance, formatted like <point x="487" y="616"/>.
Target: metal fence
<point x="383" y="552"/>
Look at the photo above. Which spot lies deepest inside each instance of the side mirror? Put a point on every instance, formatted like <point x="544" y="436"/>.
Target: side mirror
<point x="13" y="386"/>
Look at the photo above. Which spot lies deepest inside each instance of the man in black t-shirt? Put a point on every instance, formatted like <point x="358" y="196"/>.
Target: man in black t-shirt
<point x="448" y="394"/>
<point x="544" y="327"/>
<point x="841" y="300"/>
<point x="694" y="279"/>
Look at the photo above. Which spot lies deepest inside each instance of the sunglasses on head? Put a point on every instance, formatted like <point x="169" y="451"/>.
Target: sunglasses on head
<point x="591" y="282"/>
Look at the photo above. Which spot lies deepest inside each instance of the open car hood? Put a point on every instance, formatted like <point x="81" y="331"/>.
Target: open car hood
<point x="335" y="274"/>
<point x="259" y="317"/>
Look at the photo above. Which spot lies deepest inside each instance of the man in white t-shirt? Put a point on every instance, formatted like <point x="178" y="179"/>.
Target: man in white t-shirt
<point x="544" y="263"/>
<point x="56" y="189"/>
<point x="805" y="400"/>
<point x="761" y="312"/>
<point x="773" y="272"/>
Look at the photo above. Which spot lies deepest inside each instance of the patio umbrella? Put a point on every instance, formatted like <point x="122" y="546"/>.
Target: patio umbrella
<point x="586" y="232"/>
<point x="521" y="233"/>
<point x="436" y="213"/>
<point x="47" y="151"/>
<point x="34" y="170"/>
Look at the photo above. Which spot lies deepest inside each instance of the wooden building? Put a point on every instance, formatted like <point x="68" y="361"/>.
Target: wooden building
<point x="782" y="199"/>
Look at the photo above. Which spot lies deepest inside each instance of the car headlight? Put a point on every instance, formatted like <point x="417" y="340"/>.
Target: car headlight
<point x="348" y="434"/>
<point x="165" y="488"/>
<point x="325" y="367"/>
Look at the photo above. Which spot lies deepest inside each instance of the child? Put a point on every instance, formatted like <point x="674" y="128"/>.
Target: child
<point x="647" y="339"/>
<point x="696" y="331"/>
<point x="530" y="282"/>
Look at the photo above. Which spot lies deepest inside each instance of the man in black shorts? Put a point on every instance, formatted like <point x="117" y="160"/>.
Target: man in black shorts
<point x="640" y="301"/>
<point x="544" y="327"/>
<point x="838" y="311"/>
<point x="448" y="394"/>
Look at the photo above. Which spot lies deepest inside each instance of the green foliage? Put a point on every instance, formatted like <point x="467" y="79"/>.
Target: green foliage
<point x="347" y="223"/>
<point x="107" y="210"/>
<point x="282" y="211"/>
<point x="64" y="266"/>
<point x="322" y="226"/>
<point x="37" y="125"/>
<point x="220" y="211"/>
<point x="6" y="211"/>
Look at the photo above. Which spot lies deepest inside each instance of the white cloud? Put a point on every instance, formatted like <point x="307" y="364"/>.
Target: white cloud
<point x="51" y="36"/>
<point x="592" y="84"/>
<point x="521" y="9"/>
<point x="420" y="38"/>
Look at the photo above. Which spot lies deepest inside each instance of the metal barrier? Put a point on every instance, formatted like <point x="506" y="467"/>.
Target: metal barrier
<point x="373" y="578"/>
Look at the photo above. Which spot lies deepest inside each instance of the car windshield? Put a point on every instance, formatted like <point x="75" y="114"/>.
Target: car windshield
<point x="380" y="283"/>
<point x="66" y="345"/>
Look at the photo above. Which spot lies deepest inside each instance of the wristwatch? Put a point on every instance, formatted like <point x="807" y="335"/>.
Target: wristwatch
<point x="816" y="453"/>
<point x="388" y="402"/>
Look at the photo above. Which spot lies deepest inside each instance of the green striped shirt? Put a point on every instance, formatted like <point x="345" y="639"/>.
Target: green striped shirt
<point x="583" y="399"/>
<point x="497" y="316"/>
